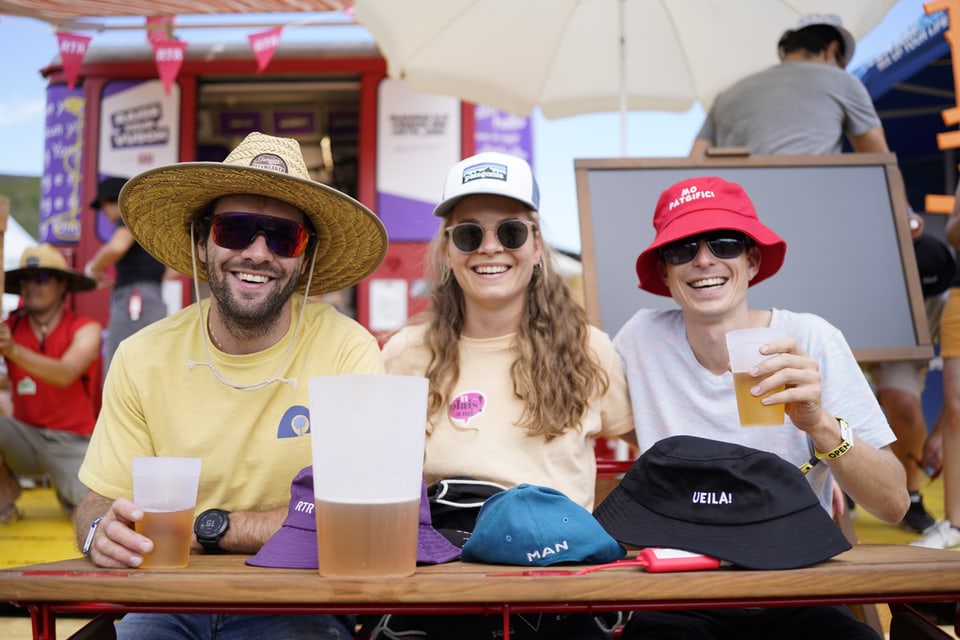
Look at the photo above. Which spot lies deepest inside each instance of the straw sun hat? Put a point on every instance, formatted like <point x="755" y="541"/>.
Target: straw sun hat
<point x="159" y="204"/>
<point x="45" y="257"/>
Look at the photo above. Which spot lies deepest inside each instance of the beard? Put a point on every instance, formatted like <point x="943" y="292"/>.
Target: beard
<point x="243" y="317"/>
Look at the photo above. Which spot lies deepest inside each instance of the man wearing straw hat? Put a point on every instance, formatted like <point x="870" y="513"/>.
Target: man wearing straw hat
<point x="53" y="362"/>
<point x="226" y="379"/>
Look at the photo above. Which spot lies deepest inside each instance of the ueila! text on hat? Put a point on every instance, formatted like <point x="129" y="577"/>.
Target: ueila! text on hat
<point x="712" y="497"/>
<point x="690" y="194"/>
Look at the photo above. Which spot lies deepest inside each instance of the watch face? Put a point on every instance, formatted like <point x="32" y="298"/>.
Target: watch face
<point x="211" y="524"/>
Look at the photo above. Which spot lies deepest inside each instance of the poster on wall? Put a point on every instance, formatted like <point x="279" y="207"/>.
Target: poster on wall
<point x="496" y="130"/>
<point x="418" y="141"/>
<point x="60" y="186"/>
<point x="139" y="130"/>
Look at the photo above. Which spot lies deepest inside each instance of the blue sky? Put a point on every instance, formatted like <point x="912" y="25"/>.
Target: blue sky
<point x="29" y="45"/>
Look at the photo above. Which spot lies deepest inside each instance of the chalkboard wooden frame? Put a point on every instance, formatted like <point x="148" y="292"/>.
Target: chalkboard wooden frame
<point x="849" y="257"/>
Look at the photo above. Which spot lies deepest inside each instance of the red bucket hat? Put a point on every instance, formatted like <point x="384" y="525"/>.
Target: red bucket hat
<point x="699" y="205"/>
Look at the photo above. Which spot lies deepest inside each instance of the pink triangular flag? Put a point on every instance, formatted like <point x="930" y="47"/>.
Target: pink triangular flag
<point x="169" y="57"/>
<point x="72" y="47"/>
<point x="264" y="43"/>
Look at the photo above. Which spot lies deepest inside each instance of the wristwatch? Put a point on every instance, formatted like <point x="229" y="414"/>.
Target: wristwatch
<point x="846" y="442"/>
<point x="89" y="541"/>
<point x="210" y="526"/>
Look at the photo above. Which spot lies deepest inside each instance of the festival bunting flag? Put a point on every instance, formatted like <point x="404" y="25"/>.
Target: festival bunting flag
<point x="263" y="44"/>
<point x="169" y="56"/>
<point x="72" y="47"/>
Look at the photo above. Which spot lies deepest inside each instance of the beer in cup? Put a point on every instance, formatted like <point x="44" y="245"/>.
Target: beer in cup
<point x="743" y="347"/>
<point x="165" y="489"/>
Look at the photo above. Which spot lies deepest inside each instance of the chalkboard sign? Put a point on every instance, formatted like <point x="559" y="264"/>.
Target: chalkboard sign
<point x="844" y="218"/>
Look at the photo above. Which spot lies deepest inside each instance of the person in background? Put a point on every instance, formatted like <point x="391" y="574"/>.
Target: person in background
<point x="225" y="379"/>
<point x="521" y="385"/>
<point x="136" y="299"/>
<point x="900" y="384"/>
<point x="803" y="106"/>
<point x="53" y="364"/>
<point x="710" y="247"/>
<point x="941" y="451"/>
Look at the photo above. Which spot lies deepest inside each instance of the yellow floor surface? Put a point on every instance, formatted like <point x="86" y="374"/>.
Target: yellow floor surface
<point x="44" y="534"/>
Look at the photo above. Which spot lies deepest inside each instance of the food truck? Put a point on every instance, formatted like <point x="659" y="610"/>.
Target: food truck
<point x="361" y="132"/>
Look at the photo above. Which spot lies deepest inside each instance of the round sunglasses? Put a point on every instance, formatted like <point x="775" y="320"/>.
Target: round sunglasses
<point x="237" y="230"/>
<point x="724" y="245"/>
<point x="511" y="234"/>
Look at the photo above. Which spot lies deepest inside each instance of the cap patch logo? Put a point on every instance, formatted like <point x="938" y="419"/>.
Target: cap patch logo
<point x="485" y="171"/>
<point x="689" y="194"/>
<point x="270" y="162"/>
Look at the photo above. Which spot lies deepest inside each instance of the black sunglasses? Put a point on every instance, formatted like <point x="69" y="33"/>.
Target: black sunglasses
<point x="511" y="234"/>
<point x="725" y="245"/>
<point x="41" y="277"/>
<point x="237" y="230"/>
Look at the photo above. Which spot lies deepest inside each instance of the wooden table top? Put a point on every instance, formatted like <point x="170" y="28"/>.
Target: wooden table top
<point x="865" y="571"/>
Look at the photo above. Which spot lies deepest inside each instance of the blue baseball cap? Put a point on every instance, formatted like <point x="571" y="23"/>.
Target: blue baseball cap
<point x="538" y="526"/>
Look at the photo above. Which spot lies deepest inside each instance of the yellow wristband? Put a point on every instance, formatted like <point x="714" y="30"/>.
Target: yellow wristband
<point x="846" y="443"/>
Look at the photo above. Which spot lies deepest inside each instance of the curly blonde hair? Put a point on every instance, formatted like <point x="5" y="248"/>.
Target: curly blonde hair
<point x="555" y="373"/>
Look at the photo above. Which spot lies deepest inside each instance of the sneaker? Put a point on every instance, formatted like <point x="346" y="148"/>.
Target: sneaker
<point x="917" y="520"/>
<point x="942" y="535"/>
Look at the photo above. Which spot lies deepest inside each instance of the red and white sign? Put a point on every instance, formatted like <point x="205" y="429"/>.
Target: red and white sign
<point x="263" y="44"/>
<point x="72" y="47"/>
<point x="169" y="56"/>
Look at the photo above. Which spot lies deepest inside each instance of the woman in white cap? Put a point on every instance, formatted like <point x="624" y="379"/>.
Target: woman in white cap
<point x="521" y="386"/>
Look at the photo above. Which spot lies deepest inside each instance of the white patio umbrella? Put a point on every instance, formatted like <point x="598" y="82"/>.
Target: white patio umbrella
<point x="583" y="56"/>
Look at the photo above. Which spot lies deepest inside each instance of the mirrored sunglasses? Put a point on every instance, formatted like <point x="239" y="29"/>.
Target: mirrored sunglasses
<point x="237" y="230"/>
<point x="511" y="234"/>
<point x="724" y="245"/>
<point x="40" y="277"/>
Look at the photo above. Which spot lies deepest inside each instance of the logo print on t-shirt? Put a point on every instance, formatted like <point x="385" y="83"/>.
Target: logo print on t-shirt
<point x="294" y="423"/>
<point x="467" y="406"/>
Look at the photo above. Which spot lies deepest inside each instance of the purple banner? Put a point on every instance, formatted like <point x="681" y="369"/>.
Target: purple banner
<point x="60" y="186"/>
<point x="239" y="123"/>
<point x="294" y="122"/>
<point x="496" y="130"/>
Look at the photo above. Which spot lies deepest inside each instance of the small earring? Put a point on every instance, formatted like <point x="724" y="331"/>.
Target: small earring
<point x="444" y="274"/>
<point x="537" y="268"/>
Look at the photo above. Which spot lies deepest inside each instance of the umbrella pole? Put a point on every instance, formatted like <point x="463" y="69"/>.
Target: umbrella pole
<point x="4" y="215"/>
<point x="623" y="80"/>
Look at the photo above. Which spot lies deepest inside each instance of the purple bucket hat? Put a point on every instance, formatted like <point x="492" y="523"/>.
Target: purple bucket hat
<point x="294" y="546"/>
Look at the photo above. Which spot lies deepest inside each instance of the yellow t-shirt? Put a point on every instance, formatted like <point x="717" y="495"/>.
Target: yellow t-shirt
<point x="161" y="398"/>
<point x="477" y="434"/>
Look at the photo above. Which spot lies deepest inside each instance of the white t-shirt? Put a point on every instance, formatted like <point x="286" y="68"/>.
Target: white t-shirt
<point x="673" y="394"/>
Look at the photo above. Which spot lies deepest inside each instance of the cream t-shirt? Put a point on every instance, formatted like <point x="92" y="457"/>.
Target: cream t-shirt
<point x="477" y="434"/>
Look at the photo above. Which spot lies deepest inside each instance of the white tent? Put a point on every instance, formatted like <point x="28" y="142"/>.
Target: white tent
<point x="15" y="240"/>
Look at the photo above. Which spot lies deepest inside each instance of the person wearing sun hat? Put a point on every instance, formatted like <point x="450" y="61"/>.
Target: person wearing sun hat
<point x="53" y="364"/>
<point x="225" y="379"/>
<point x="710" y="248"/>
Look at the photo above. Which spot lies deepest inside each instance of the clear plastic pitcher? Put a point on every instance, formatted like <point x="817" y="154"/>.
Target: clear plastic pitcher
<point x="367" y="436"/>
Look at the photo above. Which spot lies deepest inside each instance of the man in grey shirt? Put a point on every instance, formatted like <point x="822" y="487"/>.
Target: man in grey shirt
<point x="803" y="106"/>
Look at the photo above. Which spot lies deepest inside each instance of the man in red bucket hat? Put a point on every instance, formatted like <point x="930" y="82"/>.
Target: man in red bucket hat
<point x="710" y="247"/>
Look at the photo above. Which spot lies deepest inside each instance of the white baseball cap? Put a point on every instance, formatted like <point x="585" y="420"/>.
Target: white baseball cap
<point x="493" y="173"/>
<point x="831" y="20"/>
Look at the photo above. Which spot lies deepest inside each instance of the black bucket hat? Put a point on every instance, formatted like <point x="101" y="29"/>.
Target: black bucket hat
<point x="728" y="501"/>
